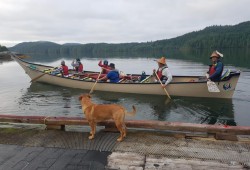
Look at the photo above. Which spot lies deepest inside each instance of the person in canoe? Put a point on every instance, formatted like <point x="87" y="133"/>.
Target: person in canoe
<point x="113" y="74"/>
<point x="78" y="66"/>
<point x="63" y="70"/>
<point x="216" y="69"/>
<point x="163" y="72"/>
<point x="105" y="67"/>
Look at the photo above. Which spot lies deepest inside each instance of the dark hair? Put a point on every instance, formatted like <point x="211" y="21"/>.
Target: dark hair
<point x="112" y="65"/>
<point x="105" y="62"/>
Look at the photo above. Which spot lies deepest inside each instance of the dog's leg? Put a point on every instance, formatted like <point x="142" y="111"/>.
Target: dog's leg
<point x="92" y="133"/>
<point x="124" y="128"/>
<point x="119" y="127"/>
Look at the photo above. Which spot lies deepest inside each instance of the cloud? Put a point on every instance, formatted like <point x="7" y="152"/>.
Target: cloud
<point x="113" y="21"/>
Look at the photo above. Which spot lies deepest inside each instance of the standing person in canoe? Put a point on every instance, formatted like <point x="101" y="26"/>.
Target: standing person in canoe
<point x="163" y="72"/>
<point x="105" y="67"/>
<point x="216" y="69"/>
<point x="78" y="66"/>
<point x="113" y="74"/>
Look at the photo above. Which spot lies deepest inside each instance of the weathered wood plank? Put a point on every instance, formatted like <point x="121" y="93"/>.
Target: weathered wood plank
<point x="145" y="124"/>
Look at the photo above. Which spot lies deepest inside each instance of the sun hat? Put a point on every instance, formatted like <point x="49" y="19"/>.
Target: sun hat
<point x="162" y="60"/>
<point x="216" y="54"/>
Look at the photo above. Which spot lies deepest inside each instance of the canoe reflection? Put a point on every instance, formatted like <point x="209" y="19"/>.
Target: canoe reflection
<point x="52" y="100"/>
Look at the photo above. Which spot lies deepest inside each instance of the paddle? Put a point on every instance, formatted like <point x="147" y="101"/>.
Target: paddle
<point x="92" y="89"/>
<point x="162" y="85"/>
<point x="145" y="79"/>
<point x="34" y="79"/>
<point x="211" y="86"/>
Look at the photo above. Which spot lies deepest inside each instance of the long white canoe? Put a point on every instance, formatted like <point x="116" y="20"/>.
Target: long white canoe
<point x="191" y="86"/>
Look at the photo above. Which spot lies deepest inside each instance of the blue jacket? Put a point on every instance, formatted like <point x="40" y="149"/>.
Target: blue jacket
<point x="113" y="76"/>
<point x="216" y="76"/>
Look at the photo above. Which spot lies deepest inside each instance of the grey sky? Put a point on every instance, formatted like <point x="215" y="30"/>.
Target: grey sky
<point x="113" y="21"/>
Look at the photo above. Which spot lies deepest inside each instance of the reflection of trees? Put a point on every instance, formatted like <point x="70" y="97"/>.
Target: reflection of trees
<point x="236" y="57"/>
<point x="64" y="101"/>
<point x="209" y="111"/>
<point x="50" y="100"/>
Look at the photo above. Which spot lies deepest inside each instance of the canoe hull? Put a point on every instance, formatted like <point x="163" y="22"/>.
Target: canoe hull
<point x="180" y="86"/>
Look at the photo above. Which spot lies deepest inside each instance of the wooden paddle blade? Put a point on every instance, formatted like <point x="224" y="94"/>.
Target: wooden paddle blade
<point x="24" y="56"/>
<point x="211" y="86"/>
<point x="34" y="79"/>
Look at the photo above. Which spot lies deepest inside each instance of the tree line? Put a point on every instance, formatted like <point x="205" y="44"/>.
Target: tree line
<point x="3" y="48"/>
<point x="210" y="38"/>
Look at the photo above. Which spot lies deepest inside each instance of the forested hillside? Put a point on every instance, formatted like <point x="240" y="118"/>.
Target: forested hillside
<point x="212" y="37"/>
<point x="3" y="48"/>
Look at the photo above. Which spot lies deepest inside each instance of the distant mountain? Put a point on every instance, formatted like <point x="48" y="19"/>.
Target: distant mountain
<point x="212" y="37"/>
<point x="3" y="48"/>
<point x="34" y="47"/>
<point x="71" y="44"/>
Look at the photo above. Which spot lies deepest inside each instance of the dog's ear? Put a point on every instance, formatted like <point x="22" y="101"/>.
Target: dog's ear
<point x="89" y="96"/>
<point x="80" y="97"/>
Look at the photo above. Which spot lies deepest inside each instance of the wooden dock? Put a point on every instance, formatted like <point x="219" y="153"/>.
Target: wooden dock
<point x="220" y="131"/>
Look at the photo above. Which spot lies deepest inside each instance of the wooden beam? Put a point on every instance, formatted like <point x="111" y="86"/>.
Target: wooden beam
<point x="145" y="124"/>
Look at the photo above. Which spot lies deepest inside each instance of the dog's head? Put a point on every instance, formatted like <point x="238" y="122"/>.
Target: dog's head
<point x="84" y="97"/>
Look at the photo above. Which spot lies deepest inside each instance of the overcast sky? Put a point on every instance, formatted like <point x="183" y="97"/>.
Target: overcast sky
<point x="113" y="21"/>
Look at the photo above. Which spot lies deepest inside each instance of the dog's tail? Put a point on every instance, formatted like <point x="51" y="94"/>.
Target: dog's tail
<point x="131" y="113"/>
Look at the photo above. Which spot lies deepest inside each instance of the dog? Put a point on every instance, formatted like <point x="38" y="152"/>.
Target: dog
<point x="95" y="113"/>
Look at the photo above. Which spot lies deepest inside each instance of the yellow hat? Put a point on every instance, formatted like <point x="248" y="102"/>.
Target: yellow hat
<point x="162" y="60"/>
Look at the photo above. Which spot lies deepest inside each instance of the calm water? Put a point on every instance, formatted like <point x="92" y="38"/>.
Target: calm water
<point x="19" y="97"/>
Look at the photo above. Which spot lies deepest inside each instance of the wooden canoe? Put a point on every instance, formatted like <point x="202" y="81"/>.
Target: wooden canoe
<point x="190" y="86"/>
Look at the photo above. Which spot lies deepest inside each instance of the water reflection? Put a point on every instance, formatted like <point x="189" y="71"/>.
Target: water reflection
<point x="237" y="57"/>
<point x="50" y="100"/>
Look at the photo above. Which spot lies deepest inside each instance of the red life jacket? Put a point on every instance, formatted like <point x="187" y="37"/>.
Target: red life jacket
<point x="104" y="71"/>
<point x="212" y="69"/>
<point x="65" y="70"/>
<point x="80" y="68"/>
<point x="159" y="73"/>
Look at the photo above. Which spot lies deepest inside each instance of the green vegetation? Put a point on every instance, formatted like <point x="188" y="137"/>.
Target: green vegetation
<point x="210" y="38"/>
<point x="3" y="48"/>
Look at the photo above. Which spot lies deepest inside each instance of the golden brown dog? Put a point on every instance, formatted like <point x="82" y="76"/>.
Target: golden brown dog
<point x="98" y="112"/>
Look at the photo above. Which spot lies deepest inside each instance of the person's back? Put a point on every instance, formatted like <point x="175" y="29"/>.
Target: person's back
<point x="113" y="74"/>
<point x="64" y="69"/>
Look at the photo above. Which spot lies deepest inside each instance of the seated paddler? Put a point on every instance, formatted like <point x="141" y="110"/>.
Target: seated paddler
<point x="105" y="67"/>
<point x="216" y="69"/>
<point x="163" y="72"/>
<point x="78" y="66"/>
<point x="112" y="76"/>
